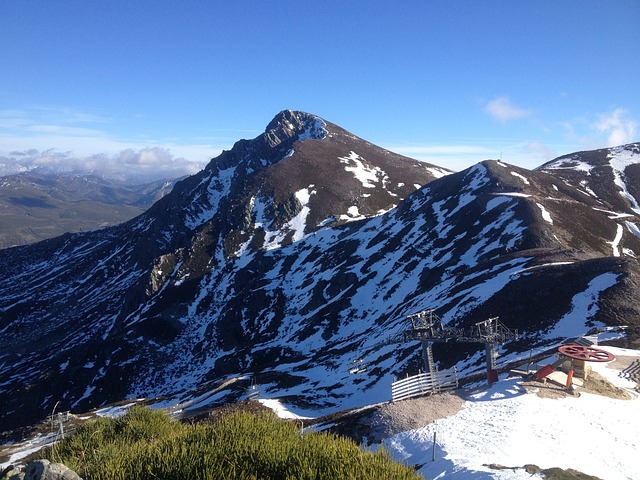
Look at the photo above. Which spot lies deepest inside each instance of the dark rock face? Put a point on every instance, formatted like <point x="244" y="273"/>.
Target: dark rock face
<point x="298" y="251"/>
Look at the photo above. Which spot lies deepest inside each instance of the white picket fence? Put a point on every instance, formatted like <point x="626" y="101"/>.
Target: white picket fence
<point x="424" y="383"/>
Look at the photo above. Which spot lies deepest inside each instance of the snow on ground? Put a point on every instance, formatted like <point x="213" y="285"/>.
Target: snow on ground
<point x="274" y="238"/>
<point x="506" y="426"/>
<point x="573" y="163"/>
<point x="515" y="194"/>
<point x="367" y="175"/>
<point x="587" y="189"/>
<point x="584" y="305"/>
<point x="616" y="241"/>
<point x="37" y="443"/>
<point x="494" y="202"/>
<point x="280" y="410"/>
<point x="620" y="159"/>
<point x="546" y="216"/>
<point x="613" y="215"/>
<point x="353" y="213"/>
<point x="521" y="177"/>
<point x="27" y="448"/>
<point x="202" y="210"/>
<point x="115" y="411"/>
<point x="437" y="173"/>
<point x="633" y="228"/>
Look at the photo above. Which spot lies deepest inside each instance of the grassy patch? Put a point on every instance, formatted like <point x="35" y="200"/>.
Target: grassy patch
<point x="147" y="444"/>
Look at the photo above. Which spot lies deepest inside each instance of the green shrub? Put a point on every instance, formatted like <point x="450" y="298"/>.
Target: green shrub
<point x="146" y="444"/>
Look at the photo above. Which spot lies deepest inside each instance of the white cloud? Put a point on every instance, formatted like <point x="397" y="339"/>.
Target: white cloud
<point x="42" y="136"/>
<point x="441" y="150"/>
<point x="618" y="127"/>
<point x="541" y="153"/>
<point x="503" y="110"/>
<point x="454" y="157"/>
<point x="457" y="157"/>
<point x="609" y="129"/>
<point x="140" y="165"/>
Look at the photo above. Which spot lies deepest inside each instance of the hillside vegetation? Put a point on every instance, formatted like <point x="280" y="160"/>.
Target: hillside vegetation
<point x="147" y="444"/>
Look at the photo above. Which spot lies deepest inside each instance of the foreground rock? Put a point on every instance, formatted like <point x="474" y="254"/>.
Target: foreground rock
<point x="43" y="470"/>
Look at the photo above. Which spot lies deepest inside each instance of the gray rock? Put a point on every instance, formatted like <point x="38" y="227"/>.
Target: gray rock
<point x="45" y="470"/>
<point x="12" y="472"/>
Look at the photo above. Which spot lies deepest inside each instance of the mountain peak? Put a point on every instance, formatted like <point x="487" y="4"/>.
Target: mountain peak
<point x="289" y="124"/>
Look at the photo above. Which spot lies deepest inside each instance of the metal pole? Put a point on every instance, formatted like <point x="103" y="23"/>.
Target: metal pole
<point x="492" y="355"/>
<point x="433" y="455"/>
<point x="427" y="356"/>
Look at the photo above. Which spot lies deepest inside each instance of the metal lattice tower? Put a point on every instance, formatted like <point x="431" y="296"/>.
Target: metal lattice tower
<point x="427" y="327"/>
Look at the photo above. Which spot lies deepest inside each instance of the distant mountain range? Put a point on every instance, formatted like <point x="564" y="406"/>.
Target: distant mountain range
<point x="37" y="205"/>
<point x="295" y="253"/>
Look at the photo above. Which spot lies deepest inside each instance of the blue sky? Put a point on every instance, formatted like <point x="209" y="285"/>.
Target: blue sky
<point x="167" y="85"/>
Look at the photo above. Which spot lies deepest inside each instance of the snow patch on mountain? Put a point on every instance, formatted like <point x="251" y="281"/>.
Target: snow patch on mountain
<point x="294" y="228"/>
<point x="314" y="130"/>
<point x="367" y="175"/>
<point x="587" y="189"/>
<point x="584" y="306"/>
<point x="516" y="194"/>
<point x="524" y="179"/>
<point x="437" y="173"/>
<point x="475" y="294"/>
<point x="353" y="213"/>
<point x="494" y="202"/>
<point x="619" y="159"/>
<point x="570" y="163"/>
<point x="201" y="210"/>
<point x="633" y="228"/>
<point x="616" y="241"/>
<point x="546" y="216"/>
<point x="614" y="215"/>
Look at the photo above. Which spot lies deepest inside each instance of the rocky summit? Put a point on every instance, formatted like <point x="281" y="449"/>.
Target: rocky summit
<point x="300" y="251"/>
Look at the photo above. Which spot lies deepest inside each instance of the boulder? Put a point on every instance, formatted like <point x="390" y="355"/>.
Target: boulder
<point x="45" y="470"/>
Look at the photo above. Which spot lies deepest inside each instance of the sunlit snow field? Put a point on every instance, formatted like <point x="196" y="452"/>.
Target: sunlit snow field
<point x="504" y="425"/>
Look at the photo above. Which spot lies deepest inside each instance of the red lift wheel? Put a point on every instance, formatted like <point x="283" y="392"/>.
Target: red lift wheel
<point x="588" y="354"/>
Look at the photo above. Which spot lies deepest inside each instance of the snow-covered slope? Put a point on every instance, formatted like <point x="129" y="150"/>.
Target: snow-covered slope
<point x="594" y="172"/>
<point x="295" y="253"/>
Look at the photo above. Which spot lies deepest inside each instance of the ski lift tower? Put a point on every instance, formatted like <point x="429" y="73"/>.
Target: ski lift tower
<point x="492" y="333"/>
<point x="427" y="327"/>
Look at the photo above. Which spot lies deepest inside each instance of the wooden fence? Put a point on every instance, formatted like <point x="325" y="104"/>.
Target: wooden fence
<point x="424" y="383"/>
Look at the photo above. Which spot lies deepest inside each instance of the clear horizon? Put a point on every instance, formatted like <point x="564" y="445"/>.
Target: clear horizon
<point x="162" y="86"/>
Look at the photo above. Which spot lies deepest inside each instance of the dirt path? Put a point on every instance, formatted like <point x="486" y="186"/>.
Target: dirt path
<point x="413" y="413"/>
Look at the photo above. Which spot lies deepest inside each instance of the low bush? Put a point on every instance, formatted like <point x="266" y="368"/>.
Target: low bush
<point x="147" y="444"/>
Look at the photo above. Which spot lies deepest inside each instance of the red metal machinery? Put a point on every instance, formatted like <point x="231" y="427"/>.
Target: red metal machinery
<point x="588" y="354"/>
<point x="574" y="352"/>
